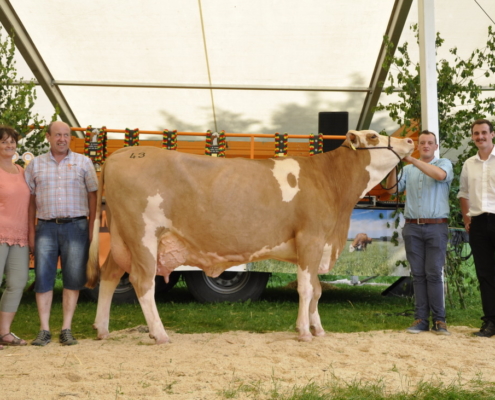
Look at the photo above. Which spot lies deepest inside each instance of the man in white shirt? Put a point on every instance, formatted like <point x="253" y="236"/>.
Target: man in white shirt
<point x="477" y="197"/>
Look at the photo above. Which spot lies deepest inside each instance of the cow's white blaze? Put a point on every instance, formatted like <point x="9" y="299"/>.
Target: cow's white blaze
<point x="153" y="218"/>
<point x="380" y="164"/>
<point x="281" y="171"/>
<point x="325" y="259"/>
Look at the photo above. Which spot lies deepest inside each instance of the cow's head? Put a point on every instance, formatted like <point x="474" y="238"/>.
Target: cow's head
<point x="351" y="248"/>
<point x="372" y="140"/>
<point x="385" y="152"/>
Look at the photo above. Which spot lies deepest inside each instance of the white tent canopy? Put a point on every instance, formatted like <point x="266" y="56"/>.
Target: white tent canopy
<point x="242" y="66"/>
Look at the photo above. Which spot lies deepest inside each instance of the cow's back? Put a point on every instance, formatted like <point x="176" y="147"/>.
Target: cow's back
<point x="227" y="207"/>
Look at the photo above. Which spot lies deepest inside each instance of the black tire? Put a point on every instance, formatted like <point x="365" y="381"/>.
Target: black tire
<point x="161" y="287"/>
<point x="229" y="286"/>
<point x="125" y="293"/>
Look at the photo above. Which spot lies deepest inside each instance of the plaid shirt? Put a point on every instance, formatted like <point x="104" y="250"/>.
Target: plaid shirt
<point x="61" y="189"/>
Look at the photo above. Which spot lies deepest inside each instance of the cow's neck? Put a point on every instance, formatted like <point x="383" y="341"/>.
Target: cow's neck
<point x="351" y="173"/>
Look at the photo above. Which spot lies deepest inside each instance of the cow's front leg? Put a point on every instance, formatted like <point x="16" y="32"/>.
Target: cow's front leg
<point x="109" y="279"/>
<point x="314" y="316"/>
<point x="308" y="319"/>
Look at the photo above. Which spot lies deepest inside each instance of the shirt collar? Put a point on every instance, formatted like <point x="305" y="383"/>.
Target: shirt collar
<point x="492" y="154"/>
<point x="68" y="156"/>
<point x="435" y="158"/>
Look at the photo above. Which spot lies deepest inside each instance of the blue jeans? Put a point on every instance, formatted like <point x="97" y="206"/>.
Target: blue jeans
<point x="70" y="241"/>
<point x="426" y="247"/>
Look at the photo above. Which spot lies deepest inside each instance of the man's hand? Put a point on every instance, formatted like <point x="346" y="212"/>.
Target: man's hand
<point x="467" y="222"/>
<point x="31" y="241"/>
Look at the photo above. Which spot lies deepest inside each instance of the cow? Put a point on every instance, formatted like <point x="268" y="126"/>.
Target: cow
<point x="360" y="242"/>
<point x="166" y="209"/>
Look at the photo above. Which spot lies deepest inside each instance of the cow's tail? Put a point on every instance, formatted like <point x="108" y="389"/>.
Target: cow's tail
<point x="93" y="268"/>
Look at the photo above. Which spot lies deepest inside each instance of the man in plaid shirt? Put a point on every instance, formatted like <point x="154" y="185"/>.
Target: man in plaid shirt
<point x="63" y="187"/>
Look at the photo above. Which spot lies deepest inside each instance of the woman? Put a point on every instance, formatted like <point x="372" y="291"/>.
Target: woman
<point x="14" y="250"/>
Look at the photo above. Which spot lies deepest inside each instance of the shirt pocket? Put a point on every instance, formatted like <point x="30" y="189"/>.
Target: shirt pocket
<point x="75" y="174"/>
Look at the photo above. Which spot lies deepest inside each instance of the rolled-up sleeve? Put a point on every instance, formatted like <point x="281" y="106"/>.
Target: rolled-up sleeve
<point x="446" y="165"/>
<point x="91" y="180"/>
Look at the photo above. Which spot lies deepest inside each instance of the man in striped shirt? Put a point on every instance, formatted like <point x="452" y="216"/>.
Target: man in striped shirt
<point x="63" y="188"/>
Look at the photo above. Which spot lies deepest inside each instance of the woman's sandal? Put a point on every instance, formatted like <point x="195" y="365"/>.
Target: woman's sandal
<point x="16" y="342"/>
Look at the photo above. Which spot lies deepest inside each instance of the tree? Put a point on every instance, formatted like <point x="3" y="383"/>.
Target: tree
<point x="460" y="99"/>
<point x="17" y="100"/>
<point x="460" y="102"/>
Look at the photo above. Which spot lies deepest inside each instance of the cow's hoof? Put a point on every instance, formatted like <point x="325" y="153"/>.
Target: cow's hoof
<point x="317" y="332"/>
<point x="305" y="338"/>
<point x="102" y="333"/>
<point x="163" y="341"/>
<point x="102" y="336"/>
<point x="160" y="340"/>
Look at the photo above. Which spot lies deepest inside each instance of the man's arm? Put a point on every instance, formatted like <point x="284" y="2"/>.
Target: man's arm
<point x="432" y="171"/>
<point x="92" y="213"/>
<point x="31" y="222"/>
<point x="465" y="209"/>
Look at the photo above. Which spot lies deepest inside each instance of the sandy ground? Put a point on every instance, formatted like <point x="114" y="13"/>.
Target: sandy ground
<point x="205" y="366"/>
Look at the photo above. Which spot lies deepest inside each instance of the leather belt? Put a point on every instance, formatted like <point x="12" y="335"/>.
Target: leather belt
<point x="421" y="221"/>
<point x="63" y="220"/>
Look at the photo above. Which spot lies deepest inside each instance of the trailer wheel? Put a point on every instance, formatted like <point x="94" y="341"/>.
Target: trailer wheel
<point x="229" y="286"/>
<point x="125" y="293"/>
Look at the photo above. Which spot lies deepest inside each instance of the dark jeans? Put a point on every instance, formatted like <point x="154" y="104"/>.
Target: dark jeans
<point x="426" y="246"/>
<point x="482" y="241"/>
<point x="69" y="241"/>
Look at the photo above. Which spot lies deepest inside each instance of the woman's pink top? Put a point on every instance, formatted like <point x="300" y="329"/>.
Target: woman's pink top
<point x="14" y="204"/>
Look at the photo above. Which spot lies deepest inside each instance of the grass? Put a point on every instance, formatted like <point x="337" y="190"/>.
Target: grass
<point x="334" y="388"/>
<point x="342" y="309"/>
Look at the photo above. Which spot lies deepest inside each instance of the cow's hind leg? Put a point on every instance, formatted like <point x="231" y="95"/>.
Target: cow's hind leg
<point x="146" y="297"/>
<point x="142" y="277"/>
<point x="109" y="279"/>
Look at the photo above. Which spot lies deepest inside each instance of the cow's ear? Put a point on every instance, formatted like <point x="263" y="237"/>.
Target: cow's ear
<point x="353" y="138"/>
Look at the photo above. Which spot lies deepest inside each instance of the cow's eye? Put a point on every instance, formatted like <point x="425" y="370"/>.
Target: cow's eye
<point x="373" y="136"/>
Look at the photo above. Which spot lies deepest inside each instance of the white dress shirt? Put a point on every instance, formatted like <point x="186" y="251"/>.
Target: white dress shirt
<point x="477" y="184"/>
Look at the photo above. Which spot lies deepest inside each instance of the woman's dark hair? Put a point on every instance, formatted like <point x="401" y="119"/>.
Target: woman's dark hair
<point x="9" y="132"/>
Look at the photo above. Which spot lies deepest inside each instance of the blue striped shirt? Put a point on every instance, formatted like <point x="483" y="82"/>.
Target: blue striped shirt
<point x="426" y="197"/>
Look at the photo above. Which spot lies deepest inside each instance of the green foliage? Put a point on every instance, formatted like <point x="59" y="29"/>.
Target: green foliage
<point x="17" y="99"/>
<point x="460" y="99"/>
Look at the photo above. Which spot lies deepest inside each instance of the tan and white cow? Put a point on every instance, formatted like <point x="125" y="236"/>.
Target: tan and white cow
<point x="167" y="209"/>
<point x="360" y="242"/>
